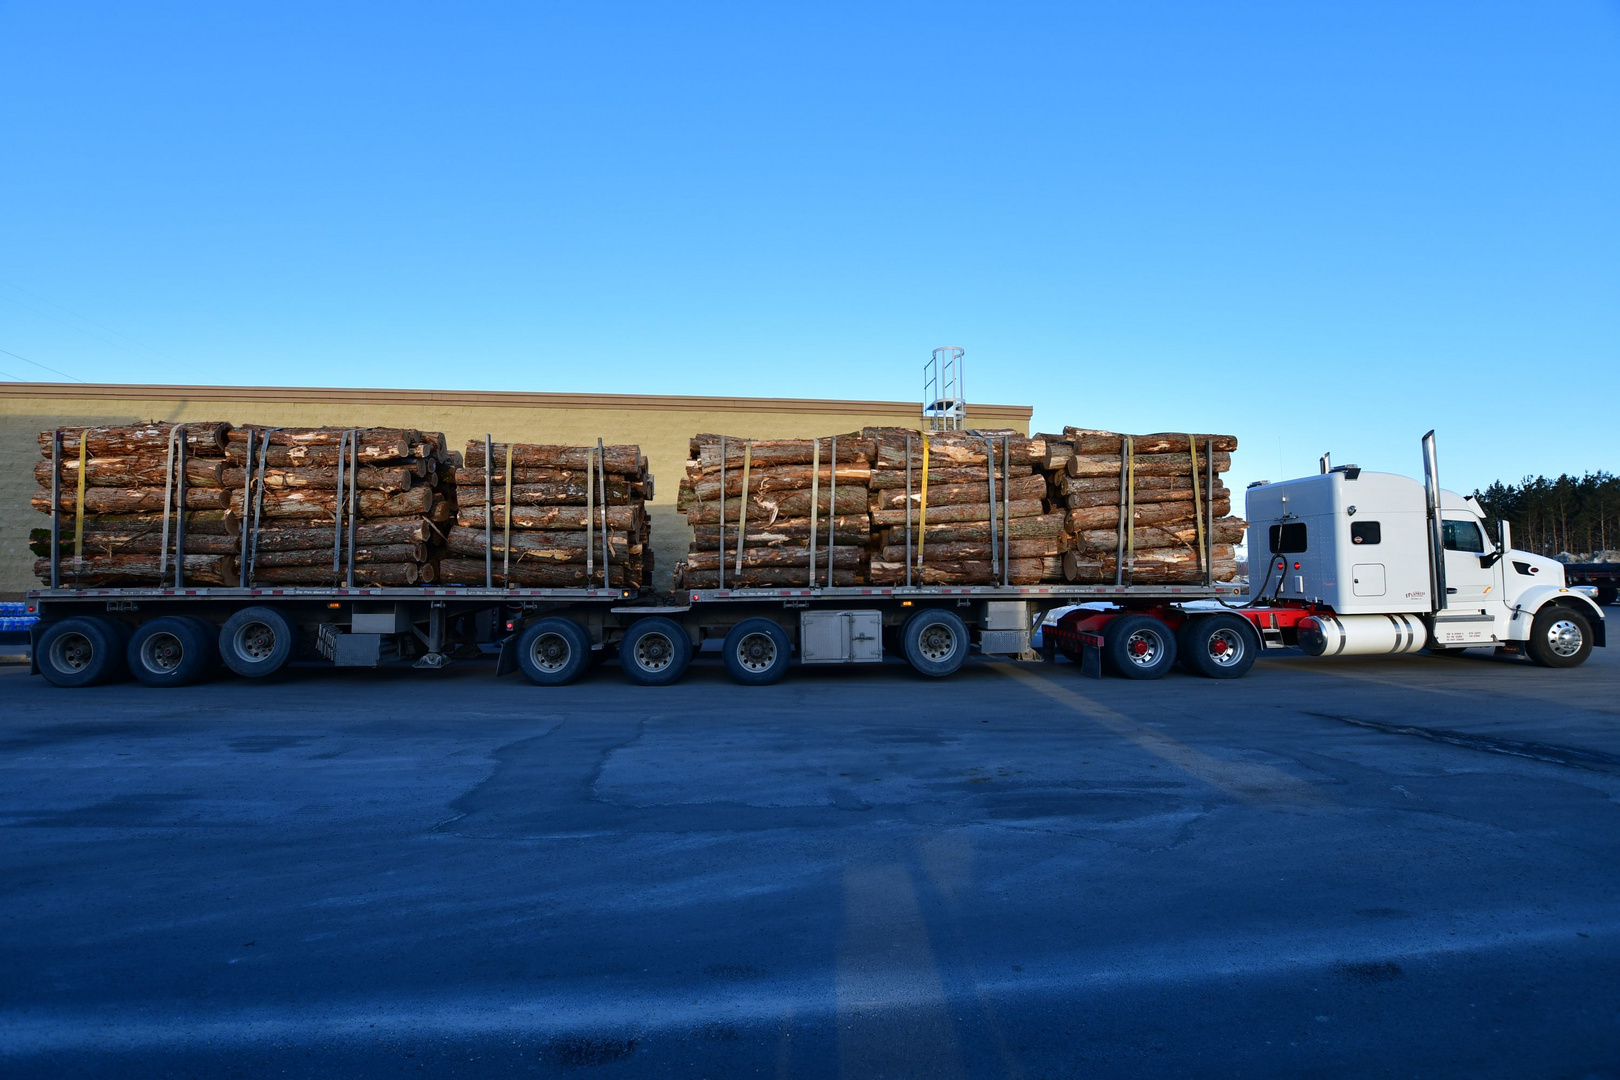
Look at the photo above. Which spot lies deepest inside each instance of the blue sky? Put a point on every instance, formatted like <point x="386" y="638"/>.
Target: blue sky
<point x="1321" y="227"/>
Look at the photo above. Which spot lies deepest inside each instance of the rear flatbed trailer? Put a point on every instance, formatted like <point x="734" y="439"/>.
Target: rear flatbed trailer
<point x="1602" y="576"/>
<point x="171" y="637"/>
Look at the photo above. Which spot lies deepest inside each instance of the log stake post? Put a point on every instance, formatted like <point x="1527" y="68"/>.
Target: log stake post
<point x="489" y="511"/>
<point x="1006" y="512"/>
<point x="1198" y="509"/>
<point x="506" y="515"/>
<point x="922" y="509"/>
<point x="601" y="465"/>
<point x="742" y="507"/>
<point x="56" y="508"/>
<point x="354" y="498"/>
<point x="908" y="511"/>
<point x="247" y="494"/>
<point x="990" y="473"/>
<point x="720" y="582"/>
<point x="337" y="511"/>
<point x="590" y="518"/>
<point x="1209" y="510"/>
<point x="815" y="498"/>
<point x="832" y="512"/>
<point x="180" y="509"/>
<point x="258" y="501"/>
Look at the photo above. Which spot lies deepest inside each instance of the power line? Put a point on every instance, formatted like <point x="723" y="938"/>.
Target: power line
<point x="37" y="364"/>
<point x="86" y="318"/>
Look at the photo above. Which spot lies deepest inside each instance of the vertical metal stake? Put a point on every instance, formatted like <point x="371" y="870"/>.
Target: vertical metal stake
<point x="832" y="513"/>
<point x="908" y="511"/>
<point x="56" y="508"/>
<point x="489" y="511"/>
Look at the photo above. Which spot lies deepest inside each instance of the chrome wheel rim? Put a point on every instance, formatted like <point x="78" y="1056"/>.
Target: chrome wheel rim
<point x="162" y="653"/>
<point x="757" y="652"/>
<point x="1225" y="647"/>
<point x="1144" y="648"/>
<point x="654" y="652"/>
<point x="1564" y="637"/>
<point x="72" y="652"/>
<point x="937" y="642"/>
<point x="254" y="641"/>
<point x="550" y="652"/>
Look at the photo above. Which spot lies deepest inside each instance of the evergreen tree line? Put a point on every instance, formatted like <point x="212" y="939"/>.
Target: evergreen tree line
<point x="1577" y="514"/>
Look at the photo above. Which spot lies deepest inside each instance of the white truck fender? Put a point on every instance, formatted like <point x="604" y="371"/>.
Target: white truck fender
<point x="1533" y="599"/>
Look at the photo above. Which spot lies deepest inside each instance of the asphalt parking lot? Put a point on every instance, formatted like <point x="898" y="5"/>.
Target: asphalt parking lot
<point x="1360" y="868"/>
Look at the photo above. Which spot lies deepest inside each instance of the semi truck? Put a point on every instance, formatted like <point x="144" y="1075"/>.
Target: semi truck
<point x="1346" y="562"/>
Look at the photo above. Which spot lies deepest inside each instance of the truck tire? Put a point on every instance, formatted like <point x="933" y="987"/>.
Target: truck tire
<point x="81" y="651"/>
<point x="655" y="651"/>
<point x="171" y="651"/>
<point x="1560" y="637"/>
<point x="553" y="651"/>
<point x="1217" y="646"/>
<point x="935" y="642"/>
<point x="757" y="652"/>
<point x="256" y="642"/>
<point x="210" y="636"/>
<point x="1139" y="647"/>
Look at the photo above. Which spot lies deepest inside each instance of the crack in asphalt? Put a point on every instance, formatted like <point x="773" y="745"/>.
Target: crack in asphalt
<point x="1571" y="756"/>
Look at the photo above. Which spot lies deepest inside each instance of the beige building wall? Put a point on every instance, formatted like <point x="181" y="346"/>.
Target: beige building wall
<point x="661" y="425"/>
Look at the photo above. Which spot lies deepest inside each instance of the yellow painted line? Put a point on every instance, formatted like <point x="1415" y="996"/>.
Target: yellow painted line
<point x="1247" y="781"/>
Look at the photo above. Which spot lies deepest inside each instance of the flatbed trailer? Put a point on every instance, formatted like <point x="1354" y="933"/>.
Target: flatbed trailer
<point x="1602" y="576"/>
<point x="171" y="637"/>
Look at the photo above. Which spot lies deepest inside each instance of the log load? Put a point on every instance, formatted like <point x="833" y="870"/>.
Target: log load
<point x="562" y="499"/>
<point x="286" y="499"/>
<point x="1170" y="481"/>
<point x="783" y="498"/>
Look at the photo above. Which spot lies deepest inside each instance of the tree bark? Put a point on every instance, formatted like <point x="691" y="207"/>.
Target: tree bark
<point x="852" y="529"/>
<point x="953" y="451"/>
<point x="1081" y="499"/>
<point x="455" y="571"/>
<point x="1089" y="441"/>
<point x="767" y="577"/>
<point x="283" y="536"/>
<point x="102" y="571"/>
<point x="1158" y="566"/>
<point x="1228" y="530"/>
<point x="953" y="551"/>
<point x="375" y="444"/>
<point x="886" y="478"/>
<point x="314" y="504"/>
<point x="551" y="493"/>
<point x="844" y="558"/>
<point x="1018" y="489"/>
<point x="140" y="470"/>
<point x="552" y="546"/>
<point x="621" y="460"/>
<point x="102" y="542"/>
<point x="1019" y="528"/>
<point x="381" y="574"/>
<point x="322" y="556"/>
<point x="765" y="480"/>
<point x="1107" y="517"/>
<point x="1067" y="484"/>
<point x="203" y="439"/>
<point x="941" y="515"/>
<point x="323" y="478"/>
<point x="768" y="453"/>
<point x="108" y="500"/>
<point x="325" y="457"/>
<point x="1146" y="464"/>
<point x="212" y="522"/>
<point x="784" y="504"/>
<point x="1019" y="572"/>
<point x="622" y="518"/>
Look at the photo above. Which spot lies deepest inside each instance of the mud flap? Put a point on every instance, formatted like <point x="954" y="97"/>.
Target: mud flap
<point x="507" y="662"/>
<point x="1091" y="647"/>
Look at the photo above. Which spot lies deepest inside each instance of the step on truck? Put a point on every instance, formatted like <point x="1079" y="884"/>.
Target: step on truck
<point x="1344" y="563"/>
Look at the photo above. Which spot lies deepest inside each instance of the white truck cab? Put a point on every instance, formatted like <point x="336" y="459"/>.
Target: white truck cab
<point x="1395" y="566"/>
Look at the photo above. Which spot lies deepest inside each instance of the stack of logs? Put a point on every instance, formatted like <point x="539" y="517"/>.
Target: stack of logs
<point x="120" y="539"/>
<point x="1165" y="479"/>
<point x="995" y="507"/>
<point x="288" y="499"/>
<point x="858" y="511"/>
<point x="577" y="517"/>
<point x="775" y="490"/>
<point x="966" y="523"/>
